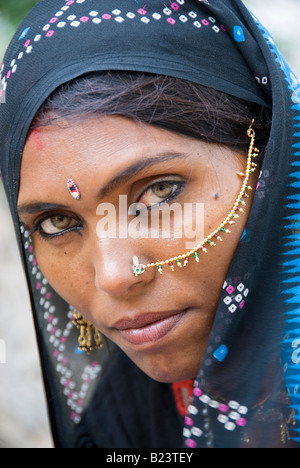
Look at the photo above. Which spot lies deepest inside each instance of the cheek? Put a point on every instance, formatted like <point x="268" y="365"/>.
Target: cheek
<point x="67" y="274"/>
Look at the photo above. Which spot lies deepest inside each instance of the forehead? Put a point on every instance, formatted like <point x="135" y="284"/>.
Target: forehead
<point x="106" y="140"/>
<point x="93" y="152"/>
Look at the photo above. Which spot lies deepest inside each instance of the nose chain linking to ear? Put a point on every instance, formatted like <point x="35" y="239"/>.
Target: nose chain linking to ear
<point x="139" y="269"/>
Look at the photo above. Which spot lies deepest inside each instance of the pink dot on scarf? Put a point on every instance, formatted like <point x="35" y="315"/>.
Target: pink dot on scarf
<point x="188" y="421"/>
<point x="191" y="443"/>
<point x="84" y="19"/>
<point x="197" y="392"/>
<point x="223" y="408"/>
<point x="171" y="21"/>
<point x="241" y="422"/>
<point x="106" y="16"/>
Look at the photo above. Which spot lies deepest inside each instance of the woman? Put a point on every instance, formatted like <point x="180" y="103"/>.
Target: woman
<point x="110" y="113"/>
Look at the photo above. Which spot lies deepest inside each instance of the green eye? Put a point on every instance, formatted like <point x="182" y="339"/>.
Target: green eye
<point x="163" y="189"/>
<point x="161" y="192"/>
<point x="57" y="225"/>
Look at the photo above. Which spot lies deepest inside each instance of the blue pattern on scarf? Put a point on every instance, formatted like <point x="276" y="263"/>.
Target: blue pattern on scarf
<point x="290" y="351"/>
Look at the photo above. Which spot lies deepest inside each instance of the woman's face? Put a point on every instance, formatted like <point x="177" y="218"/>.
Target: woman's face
<point x="162" y="322"/>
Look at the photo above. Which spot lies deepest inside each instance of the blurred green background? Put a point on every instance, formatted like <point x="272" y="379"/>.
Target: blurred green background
<point x="23" y="415"/>
<point x="11" y="14"/>
<point x="15" y="10"/>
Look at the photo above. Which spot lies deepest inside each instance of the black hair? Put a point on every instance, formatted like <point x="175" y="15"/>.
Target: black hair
<point x="169" y="103"/>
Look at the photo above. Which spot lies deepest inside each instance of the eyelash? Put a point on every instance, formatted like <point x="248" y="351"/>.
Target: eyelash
<point x="37" y="226"/>
<point x="180" y="184"/>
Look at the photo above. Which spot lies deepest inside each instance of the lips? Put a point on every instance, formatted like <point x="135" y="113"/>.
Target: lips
<point x="148" y="328"/>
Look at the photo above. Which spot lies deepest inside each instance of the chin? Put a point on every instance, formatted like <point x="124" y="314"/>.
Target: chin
<point x="170" y="374"/>
<point x="169" y="364"/>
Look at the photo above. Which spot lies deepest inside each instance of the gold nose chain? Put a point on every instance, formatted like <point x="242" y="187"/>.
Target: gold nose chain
<point x="182" y="260"/>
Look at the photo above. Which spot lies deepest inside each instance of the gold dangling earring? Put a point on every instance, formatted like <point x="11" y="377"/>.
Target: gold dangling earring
<point x="90" y="337"/>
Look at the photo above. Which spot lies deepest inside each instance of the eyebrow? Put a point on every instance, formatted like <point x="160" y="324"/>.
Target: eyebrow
<point x="137" y="168"/>
<point x="37" y="207"/>
<point x="124" y="176"/>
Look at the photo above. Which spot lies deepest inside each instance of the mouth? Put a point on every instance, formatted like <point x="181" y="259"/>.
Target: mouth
<point x="149" y="328"/>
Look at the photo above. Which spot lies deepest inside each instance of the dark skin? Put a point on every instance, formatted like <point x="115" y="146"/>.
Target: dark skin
<point x="95" y="275"/>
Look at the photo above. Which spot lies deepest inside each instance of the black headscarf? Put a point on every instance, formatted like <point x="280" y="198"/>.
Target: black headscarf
<point x="247" y="392"/>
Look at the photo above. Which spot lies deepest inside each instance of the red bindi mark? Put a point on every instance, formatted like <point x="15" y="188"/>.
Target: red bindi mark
<point x="37" y="137"/>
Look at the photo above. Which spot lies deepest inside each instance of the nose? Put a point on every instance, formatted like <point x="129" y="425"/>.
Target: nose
<point x="112" y="261"/>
